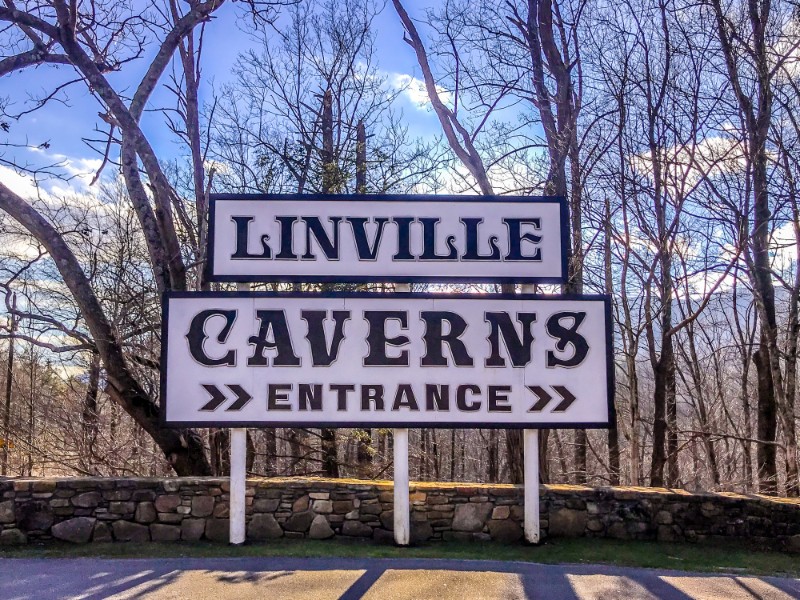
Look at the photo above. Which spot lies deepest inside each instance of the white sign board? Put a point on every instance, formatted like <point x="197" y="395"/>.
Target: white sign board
<point x="399" y="360"/>
<point x="362" y="238"/>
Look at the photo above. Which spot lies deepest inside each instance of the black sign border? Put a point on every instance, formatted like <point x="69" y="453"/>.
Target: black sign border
<point x="214" y="198"/>
<point x="610" y="369"/>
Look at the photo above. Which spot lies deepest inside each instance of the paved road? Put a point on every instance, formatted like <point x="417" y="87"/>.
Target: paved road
<point x="370" y="579"/>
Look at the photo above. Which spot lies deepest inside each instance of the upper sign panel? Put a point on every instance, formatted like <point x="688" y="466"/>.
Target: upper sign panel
<point x="313" y="238"/>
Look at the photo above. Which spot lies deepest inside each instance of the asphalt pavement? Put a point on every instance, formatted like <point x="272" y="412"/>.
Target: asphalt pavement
<point x="370" y="579"/>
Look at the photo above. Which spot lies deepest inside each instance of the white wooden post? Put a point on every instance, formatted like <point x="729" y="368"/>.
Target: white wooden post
<point x="238" y="485"/>
<point x="402" y="506"/>
<point x="530" y="445"/>
<point x="238" y="456"/>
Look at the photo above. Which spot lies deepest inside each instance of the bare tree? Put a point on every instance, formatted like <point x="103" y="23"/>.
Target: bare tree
<point x="94" y="41"/>
<point x="746" y="33"/>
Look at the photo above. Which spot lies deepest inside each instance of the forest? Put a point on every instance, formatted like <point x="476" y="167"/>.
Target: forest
<point x="671" y="127"/>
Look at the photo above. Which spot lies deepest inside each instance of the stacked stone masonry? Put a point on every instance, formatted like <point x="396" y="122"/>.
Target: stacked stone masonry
<point x="82" y="510"/>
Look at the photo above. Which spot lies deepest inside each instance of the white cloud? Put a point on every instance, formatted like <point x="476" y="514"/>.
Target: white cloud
<point x="787" y="49"/>
<point x="75" y="175"/>
<point x="216" y="166"/>
<point x="71" y="164"/>
<point x="77" y="171"/>
<point x="84" y="169"/>
<point x="783" y="247"/>
<point x="23" y="248"/>
<point x="66" y="203"/>
<point x="688" y="163"/>
<point x="21" y="184"/>
<point x="704" y="281"/>
<point x="414" y="90"/>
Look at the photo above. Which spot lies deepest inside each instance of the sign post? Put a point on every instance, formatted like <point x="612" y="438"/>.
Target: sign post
<point x="238" y="477"/>
<point x="530" y="443"/>
<point x="402" y="506"/>
<point x="238" y="485"/>
<point x="530" y="457"/>
<point x="365" y="360"/>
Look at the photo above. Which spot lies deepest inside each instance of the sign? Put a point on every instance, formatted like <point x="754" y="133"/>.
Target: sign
<point x="314" y="238"/>
<point x="396" y="360"/>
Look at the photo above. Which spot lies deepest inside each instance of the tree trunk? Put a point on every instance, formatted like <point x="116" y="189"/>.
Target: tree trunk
<point x="361" y="158"/>
<point x="770" y="383"/>
<point x="695" y="369"/>
<point x="90" y="414"/>
<point x="452" y="455"/>
<point x="9" y="381"/>
<point x="271" y="452"/>
<point x="767" y="424"/>
<point x="364" y="451"/>
<point x="514" y="455"/>
<point x="220" y="441"/>
<point x="562" y="456"/>
<point x="755" y="108"/>
<point x="31" y="421"/>
<point x="492" y="462"/>
<point x="613" y="434"/>
<point x="183" y="448"/>
<point x="673" y="475"/>
<point x="436" y="459"/>
<point x="663" y="372"/>
<point x="330" y="461"/>
<point x="295" y="439"/>
<point x="544" y="463"/>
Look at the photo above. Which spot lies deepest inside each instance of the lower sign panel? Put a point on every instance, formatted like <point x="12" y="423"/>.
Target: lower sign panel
<point x="399" y="360"/>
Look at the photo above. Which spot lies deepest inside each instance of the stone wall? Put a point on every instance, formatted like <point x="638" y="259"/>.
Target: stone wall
<point x="81" y="510"/>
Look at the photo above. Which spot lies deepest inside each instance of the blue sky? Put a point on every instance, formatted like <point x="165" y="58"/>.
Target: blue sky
<point x="64" y="125"/>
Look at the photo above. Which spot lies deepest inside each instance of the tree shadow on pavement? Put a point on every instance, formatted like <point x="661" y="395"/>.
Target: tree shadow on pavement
<point x="356" y="578"/>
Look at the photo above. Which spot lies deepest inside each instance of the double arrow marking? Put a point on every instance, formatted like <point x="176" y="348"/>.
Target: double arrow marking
<point x="242" y="398"/>
<point x="217" y="397"/>
<point x="544" y="397"/>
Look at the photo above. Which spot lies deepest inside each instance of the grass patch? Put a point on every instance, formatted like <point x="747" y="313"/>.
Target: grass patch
<point x="686" y="557"/>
